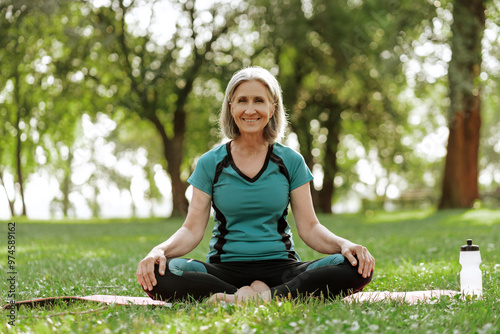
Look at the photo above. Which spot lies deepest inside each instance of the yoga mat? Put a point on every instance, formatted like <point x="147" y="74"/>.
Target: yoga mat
<point x="411" y="297"/>
<point x="107" y="299"/>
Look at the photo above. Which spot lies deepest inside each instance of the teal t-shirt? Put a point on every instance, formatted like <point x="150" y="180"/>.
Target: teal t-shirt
<point x="250" y="213"/>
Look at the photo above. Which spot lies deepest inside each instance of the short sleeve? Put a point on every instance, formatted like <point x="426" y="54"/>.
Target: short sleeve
<point x="299" y="172"/>
<point x="203" y="175"/>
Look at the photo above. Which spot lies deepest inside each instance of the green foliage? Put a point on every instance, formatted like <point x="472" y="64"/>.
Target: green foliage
<point x="24" y="72"/>
<point x="41" y="89"/>
<point x="342" y="69"/>
<point x="414" y="251"/>
<point x="357" y="78"/>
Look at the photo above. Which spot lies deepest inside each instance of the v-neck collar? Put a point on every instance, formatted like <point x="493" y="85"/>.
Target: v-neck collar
<point x="240" y="173"/>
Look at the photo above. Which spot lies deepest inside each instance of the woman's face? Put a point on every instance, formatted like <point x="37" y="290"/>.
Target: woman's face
<point x="251" y="107"/>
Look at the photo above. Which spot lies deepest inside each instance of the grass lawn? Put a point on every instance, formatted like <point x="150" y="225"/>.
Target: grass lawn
<point x="415" y="250"/>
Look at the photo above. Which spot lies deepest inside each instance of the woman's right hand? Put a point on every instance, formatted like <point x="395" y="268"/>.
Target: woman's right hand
<point x="184" y="240"/>
<point x="146" y="268"/>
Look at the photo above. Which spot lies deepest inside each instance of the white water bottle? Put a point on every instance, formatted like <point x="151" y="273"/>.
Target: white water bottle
<point x="471" y="280"/>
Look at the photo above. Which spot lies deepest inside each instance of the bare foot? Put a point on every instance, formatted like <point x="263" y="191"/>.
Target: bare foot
<point x="242" y="294"/>
<point x="245" y="293"/>
<point x="257" y="291"/>
<point x="218" y="297"/>
<point x="263" y="291"/>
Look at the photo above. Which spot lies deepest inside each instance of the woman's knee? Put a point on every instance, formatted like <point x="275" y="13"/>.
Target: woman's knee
<point x="172" y="285"/>
<point x="331" y="260"/>
<point x="162" y="290"/>
<point x="178" y="266"/>
<point x="361" y="281"/>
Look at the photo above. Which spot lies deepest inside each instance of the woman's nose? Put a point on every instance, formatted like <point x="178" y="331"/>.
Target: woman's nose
<point x="250" y="109"/>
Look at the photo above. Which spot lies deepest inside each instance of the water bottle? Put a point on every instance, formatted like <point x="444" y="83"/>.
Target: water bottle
<point x="471" y="280"/>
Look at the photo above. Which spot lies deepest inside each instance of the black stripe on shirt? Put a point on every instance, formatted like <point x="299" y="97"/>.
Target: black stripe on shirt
<point x="285" y="237"/>
<point x="281" y="165"/>
<point x="220" y="166"/>
<point x="282" y="223"/>
<point x="221" y="238"/>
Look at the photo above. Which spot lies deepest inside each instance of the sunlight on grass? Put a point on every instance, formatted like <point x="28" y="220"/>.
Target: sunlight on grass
<point x="396" y="217"/>
<point x="482" y="217"/>
<point x="95" y="253"/>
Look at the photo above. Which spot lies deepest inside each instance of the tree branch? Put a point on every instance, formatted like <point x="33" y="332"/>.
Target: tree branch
<point x="126" y="52"/>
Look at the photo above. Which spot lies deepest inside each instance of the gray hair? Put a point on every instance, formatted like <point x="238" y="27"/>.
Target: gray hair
<point x="275" y="129"/>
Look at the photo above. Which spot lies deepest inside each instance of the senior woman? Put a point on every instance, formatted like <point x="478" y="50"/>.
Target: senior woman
<point x="250" y="182"/>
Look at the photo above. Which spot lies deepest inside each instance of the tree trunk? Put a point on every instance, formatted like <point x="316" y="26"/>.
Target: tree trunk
<point x="19" y="167"/>
<point x="11" y="203"/>
<point x="94" y="203"/>
<point x="460" y="181"/>
<point x="301" y="129"/>
<point x="19" y="172"/>
<point x="179" y="187"/>
<point x="325" y="195"/>
<point x="66" y="186"/>
<point x="179" y="201"/>
<point x="173" y="153"/>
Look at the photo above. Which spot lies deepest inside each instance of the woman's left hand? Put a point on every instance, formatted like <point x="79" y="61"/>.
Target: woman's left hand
<point x="366" y="261"/>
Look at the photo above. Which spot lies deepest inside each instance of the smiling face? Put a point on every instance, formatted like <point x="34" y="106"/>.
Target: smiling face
<point x="251" y="107"/>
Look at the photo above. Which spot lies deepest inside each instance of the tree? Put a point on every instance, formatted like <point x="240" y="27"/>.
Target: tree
<point x="155" y="81"/>
<point x="43" y="99"/>
<point x="460" y="181"/>
<point x="24" y="67"/>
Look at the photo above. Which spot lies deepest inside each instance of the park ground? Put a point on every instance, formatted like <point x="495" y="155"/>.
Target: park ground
<point x="414" y="250"/>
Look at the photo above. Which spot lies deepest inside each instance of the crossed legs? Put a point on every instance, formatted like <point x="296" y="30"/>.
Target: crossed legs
<point x="331" y="277"/>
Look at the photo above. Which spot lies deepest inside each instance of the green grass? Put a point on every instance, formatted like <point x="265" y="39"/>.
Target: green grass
<point x="415" y="250"/>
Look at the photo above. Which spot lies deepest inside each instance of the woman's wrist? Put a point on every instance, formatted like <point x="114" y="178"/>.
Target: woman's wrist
<point x="344" y="244"/>
<point x="158" y="249"/>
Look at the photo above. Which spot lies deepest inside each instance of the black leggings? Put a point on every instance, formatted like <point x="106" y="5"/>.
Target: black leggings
<point x="331" y="277"/>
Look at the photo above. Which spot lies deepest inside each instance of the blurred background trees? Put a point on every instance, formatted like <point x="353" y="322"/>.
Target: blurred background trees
<point x="106" y="104"/>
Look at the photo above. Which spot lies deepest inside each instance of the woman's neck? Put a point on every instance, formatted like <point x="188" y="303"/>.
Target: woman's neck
<point x="250" y="144"/>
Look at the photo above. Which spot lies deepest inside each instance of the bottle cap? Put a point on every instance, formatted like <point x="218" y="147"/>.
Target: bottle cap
<point x="469" y="247"/>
